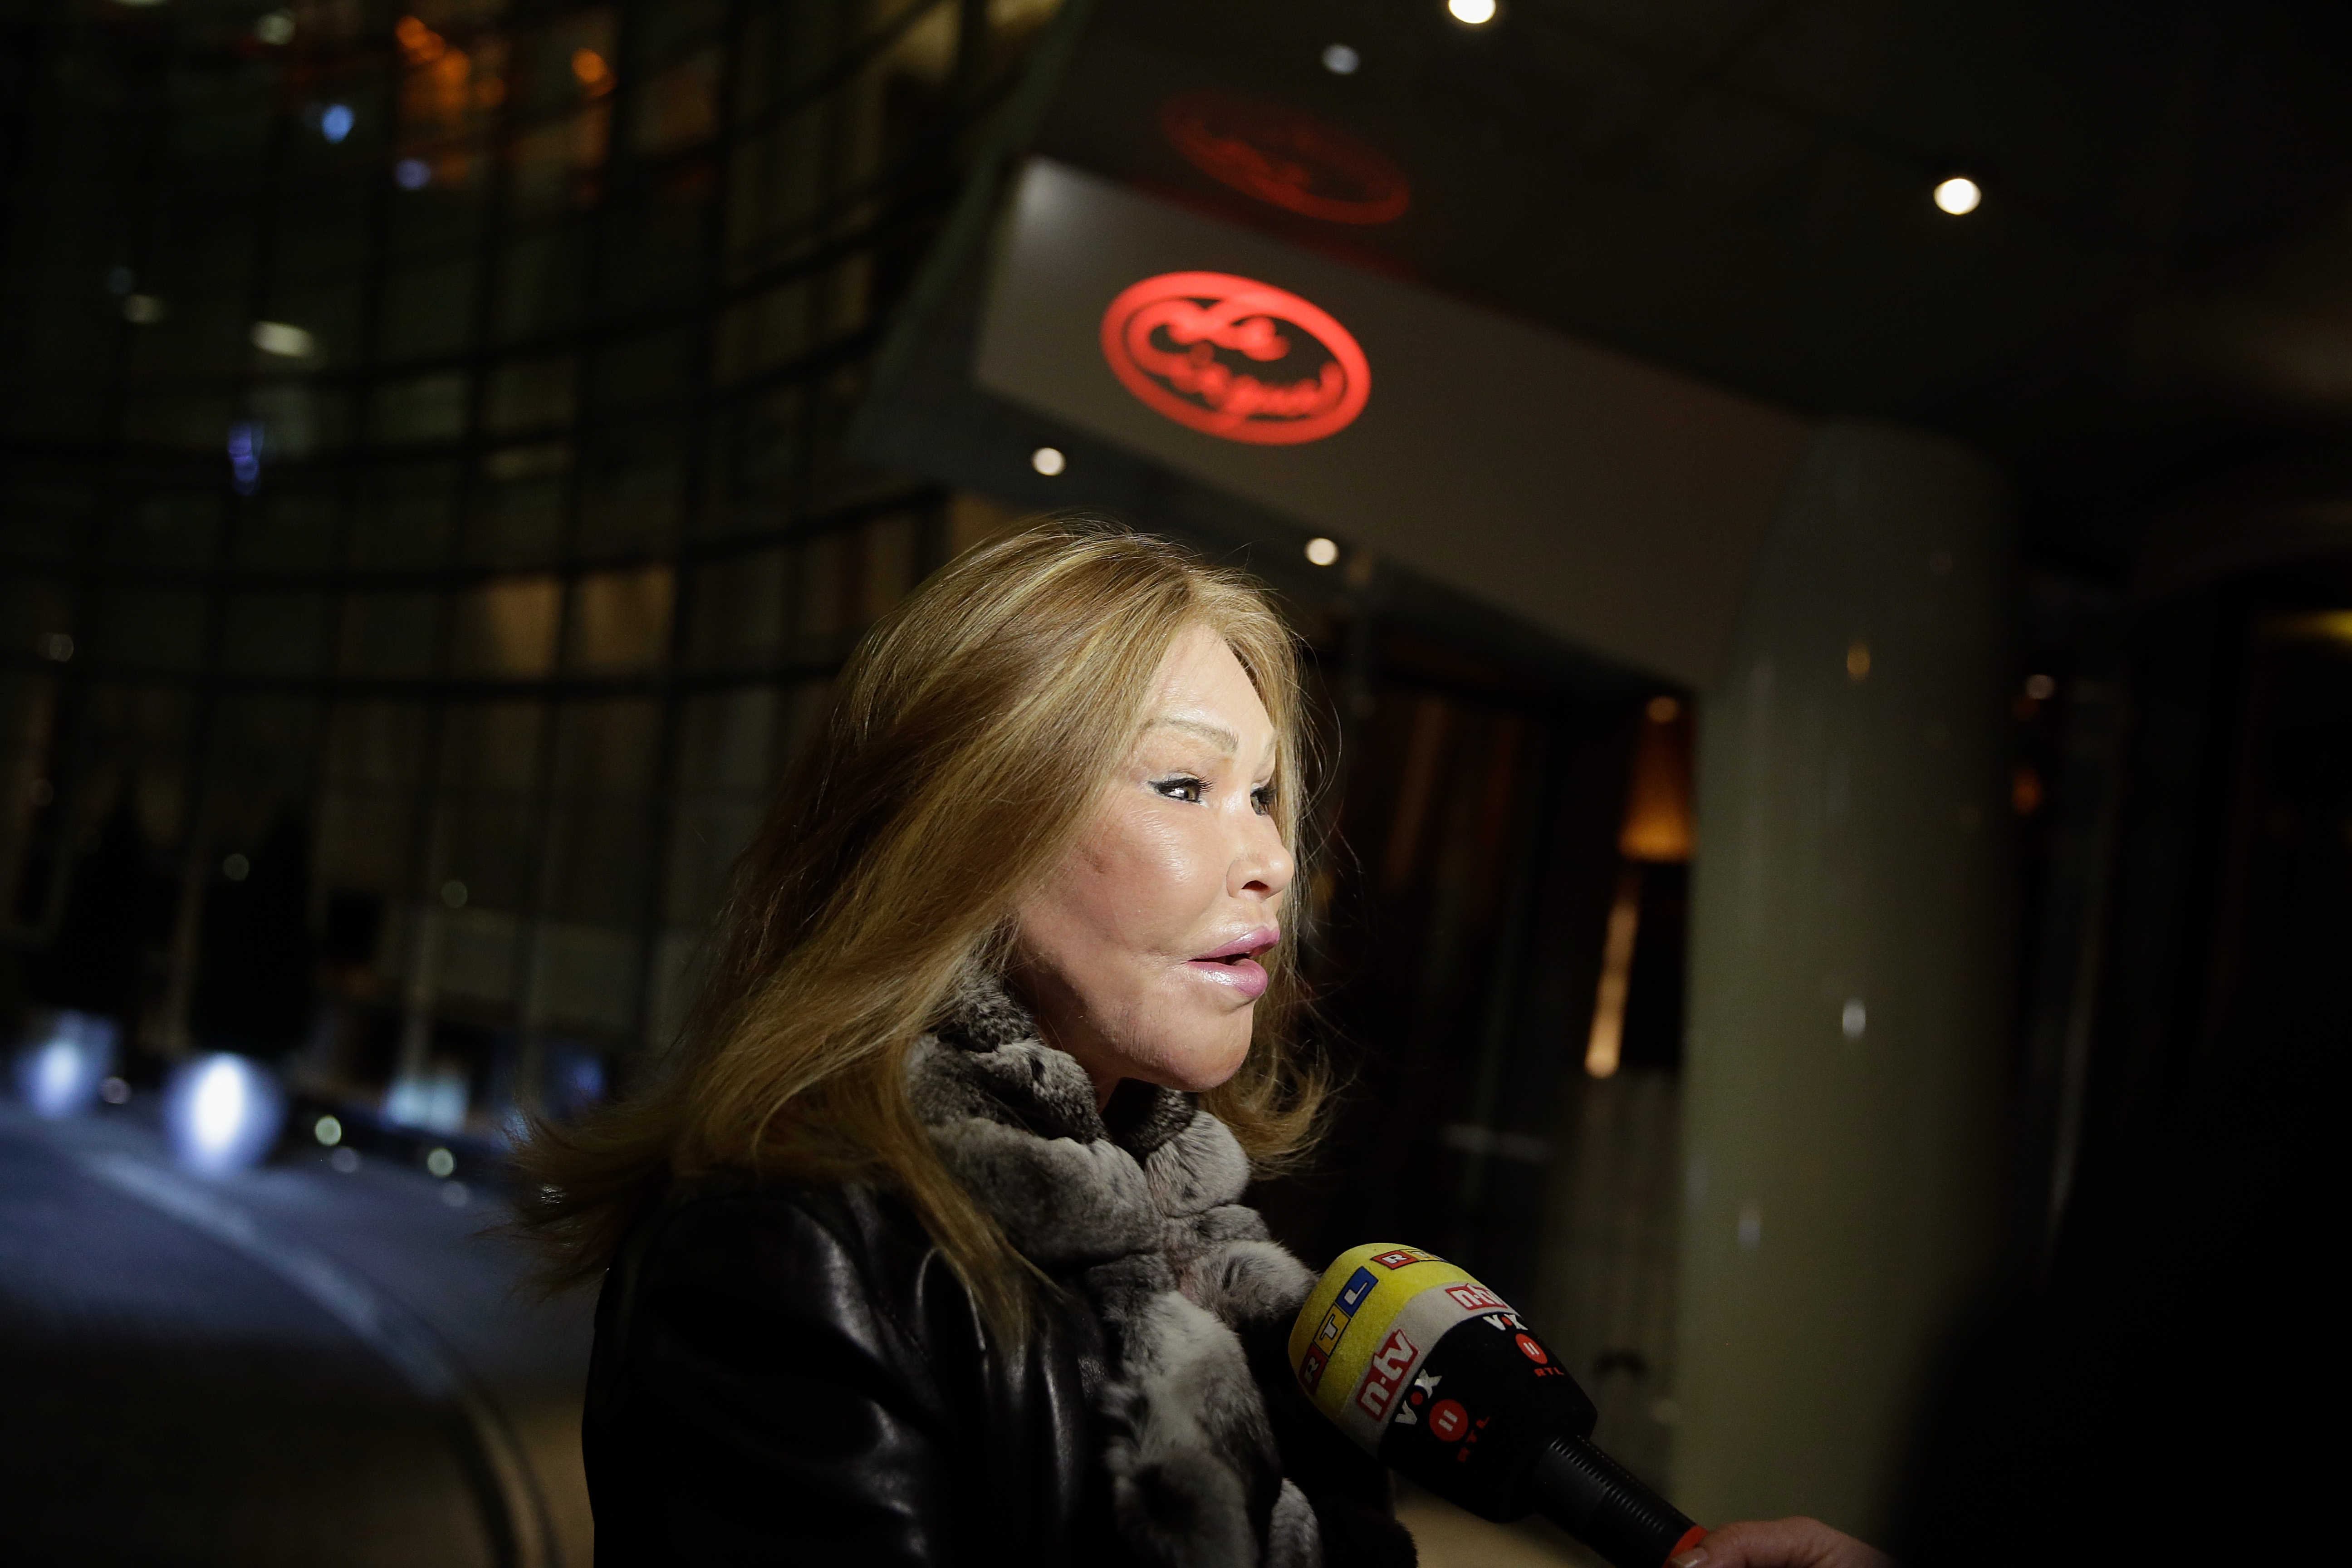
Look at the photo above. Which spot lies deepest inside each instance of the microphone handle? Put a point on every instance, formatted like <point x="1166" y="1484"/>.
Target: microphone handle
<point x="1599" y="1501"/>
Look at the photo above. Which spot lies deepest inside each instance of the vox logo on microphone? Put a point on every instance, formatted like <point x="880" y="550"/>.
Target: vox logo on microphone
<point x="1235" y="358"/>
<point x="1386" y="1375"/>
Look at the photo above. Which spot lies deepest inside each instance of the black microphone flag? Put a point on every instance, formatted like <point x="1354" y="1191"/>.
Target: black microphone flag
<point x="1436" y="1375"/>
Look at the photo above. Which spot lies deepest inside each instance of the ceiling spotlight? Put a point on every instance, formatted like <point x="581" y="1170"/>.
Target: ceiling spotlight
<point x="1474" y="12"/>
<point x="1322" y="552"/>
<point x="1958" y="195"/>
<point x="1341" y="60"/>
<point x="1048" y="460"/>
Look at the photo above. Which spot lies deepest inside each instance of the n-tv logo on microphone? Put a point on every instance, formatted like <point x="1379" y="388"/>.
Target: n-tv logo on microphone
<point x="1386" y="1375"/>
<point x="1235" y="358"/>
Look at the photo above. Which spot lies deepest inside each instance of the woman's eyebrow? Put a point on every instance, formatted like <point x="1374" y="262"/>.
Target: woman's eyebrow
<point x="1217" y="735"/>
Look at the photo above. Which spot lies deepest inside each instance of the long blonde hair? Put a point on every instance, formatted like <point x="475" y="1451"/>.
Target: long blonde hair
<point x="969" y="741"/>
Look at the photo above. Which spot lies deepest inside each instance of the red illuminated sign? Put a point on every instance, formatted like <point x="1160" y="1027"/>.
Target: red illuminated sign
<point x="1236" y="358"/>
<point x="1288" y="159"/>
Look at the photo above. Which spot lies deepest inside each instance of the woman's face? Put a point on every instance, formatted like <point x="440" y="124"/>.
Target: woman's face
<point x="1137" y="953"/>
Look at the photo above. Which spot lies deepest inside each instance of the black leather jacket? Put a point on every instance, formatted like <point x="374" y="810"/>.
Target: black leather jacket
<point x="782" y="1371"/>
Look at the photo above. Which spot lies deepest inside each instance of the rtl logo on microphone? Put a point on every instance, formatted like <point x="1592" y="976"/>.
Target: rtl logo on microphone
<point x="1386" y="1375"/>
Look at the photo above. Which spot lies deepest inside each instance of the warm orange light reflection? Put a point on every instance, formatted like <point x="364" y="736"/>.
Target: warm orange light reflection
<point x="1604" y="1046"/>
<point x="1658" y="805"/>
<point x="436" y="92"/>
<point x="420" y="43"/>
<point x="1192" y="346"/>
<point x="1657" y="830"/>
<point x="593" y="73"/>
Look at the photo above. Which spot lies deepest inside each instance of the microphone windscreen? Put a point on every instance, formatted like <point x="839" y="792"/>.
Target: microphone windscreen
<point x="1435" y="1374"/>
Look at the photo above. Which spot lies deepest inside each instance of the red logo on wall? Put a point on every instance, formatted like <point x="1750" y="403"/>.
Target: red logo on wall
<point x="1285" y="158"/>
<point x="1234" y="357"/>
<point x="1386" y="1375"/>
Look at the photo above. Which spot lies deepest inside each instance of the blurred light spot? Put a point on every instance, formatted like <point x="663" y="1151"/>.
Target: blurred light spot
<point x="1857" y="660"/>
<point x="122" y="281"/>
<point x="440" y="1161"/>
<point x="420" y="43"/>
<point x="434" y="1099"/>
<point x="1958" y="195"/>
<point x="56" y="647"/>
<point x="454" y="1194"/>
<point x="142" y="309"/>
<point x="1605" y="1042"/>
<point x="58" y="1075"/>
<point x="410" y="175"/>
<point x="1664" y="710"/>
<point x="1048" y="460"/>
<point x="1322" y="552"/>
<point x="454" y="894"/>
<point x="236" y="868"/>
<point x="114" y="1090"/>
<point x="335" y="121"/>
<point x="2025" y="790"/>
<point x="223" y="1112"/>
<point x="327" y="1130"/>
<point x="2041" y="687"/>
<point x="593" y="73"/>
<point x="39" y="792"/>
<point x="1751" y="1225"/>
<point x="1853" y="1018"/>
<point x="275" y="27"/>
<point x="283" y="339"/>
<point x="244" y="456"/>
<point x="345" y="1161"/>
<point x="1476" y="13"/>
<point x="1341" y="60"/>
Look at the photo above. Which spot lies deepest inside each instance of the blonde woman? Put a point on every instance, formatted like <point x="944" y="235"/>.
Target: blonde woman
<point x="927" y="1247"/>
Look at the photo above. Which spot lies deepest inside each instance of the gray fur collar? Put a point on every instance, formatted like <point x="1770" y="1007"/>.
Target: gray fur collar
<point x="1140" y="1214"/>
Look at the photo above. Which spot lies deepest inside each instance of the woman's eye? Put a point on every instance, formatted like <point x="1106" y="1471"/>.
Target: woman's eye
<point x="1184" y="789"/>
<point x="1262" y="799"/>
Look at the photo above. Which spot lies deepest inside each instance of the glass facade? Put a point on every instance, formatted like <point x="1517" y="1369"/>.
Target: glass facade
<point x="420" y="515"/>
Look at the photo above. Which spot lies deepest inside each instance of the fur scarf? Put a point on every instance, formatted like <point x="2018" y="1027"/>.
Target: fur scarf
<point x="1141" y="1217"/>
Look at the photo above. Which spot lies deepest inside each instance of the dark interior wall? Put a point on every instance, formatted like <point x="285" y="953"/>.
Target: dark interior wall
<point x="2164" y="1351"/>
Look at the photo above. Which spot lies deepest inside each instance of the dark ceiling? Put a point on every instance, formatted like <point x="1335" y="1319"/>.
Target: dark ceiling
<point x="2156" y="295"/>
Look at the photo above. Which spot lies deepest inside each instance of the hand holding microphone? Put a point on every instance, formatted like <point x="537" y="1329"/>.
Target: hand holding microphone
<point x="1436" y="1376"/>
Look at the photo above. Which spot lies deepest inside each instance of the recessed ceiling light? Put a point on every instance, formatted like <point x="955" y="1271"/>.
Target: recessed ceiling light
<point x="1322" y="552"/>
<point x="1958" y="195"/>
<point x="1048" y="460"/>
<point x="1341" y="60"/>
<point x="1475" y="12"/>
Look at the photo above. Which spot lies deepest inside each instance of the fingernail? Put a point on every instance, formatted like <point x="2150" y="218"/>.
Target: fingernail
<point x="1691" y="1559"/>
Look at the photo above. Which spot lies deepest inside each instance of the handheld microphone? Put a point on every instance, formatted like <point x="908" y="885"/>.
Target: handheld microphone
<point x="1436" y="1376"/>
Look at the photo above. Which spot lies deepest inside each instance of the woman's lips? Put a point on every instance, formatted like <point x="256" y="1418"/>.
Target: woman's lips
<point x="1235" y="965"/>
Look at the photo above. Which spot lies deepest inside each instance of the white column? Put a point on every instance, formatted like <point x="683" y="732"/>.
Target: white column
<point x="1850" y="980"/>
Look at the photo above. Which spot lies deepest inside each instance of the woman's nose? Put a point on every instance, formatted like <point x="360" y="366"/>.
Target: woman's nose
<point x="1263" y="865"/>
